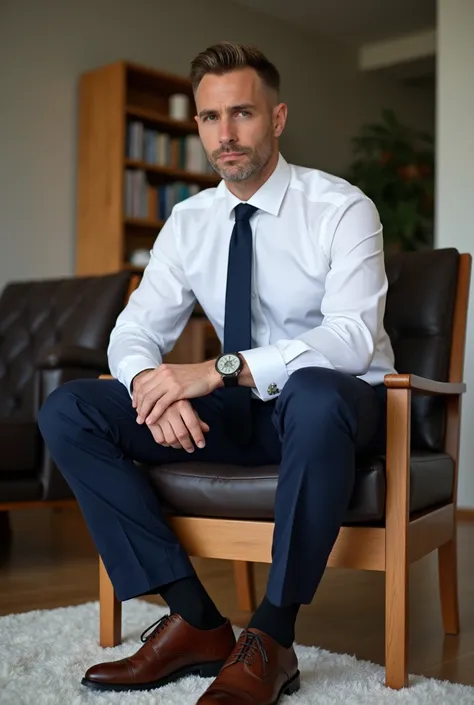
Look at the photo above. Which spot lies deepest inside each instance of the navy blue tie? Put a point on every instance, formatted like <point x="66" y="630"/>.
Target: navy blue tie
<point x="238" y="319"/>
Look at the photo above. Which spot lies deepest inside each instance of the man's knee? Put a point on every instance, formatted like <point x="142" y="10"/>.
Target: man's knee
<point x="57" y="405"/>
<point x="316" y="395"/>
<point x="327" y="384"/>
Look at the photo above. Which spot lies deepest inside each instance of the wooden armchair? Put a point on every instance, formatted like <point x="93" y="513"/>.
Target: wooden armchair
<point x="403" y="505"/>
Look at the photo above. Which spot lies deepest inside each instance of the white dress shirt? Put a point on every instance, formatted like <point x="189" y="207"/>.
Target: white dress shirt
<point x="318" y="281"/>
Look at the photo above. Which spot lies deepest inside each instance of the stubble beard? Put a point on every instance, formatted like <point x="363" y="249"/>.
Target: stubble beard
<point x="257" y="160"/>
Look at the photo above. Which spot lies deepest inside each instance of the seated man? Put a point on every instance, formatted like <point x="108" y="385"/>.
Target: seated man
<point x="287" y="263"/>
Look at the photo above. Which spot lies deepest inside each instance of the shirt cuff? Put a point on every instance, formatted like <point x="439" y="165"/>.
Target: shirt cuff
<point x="131" y="366"/>
<point x="268" y="370"/>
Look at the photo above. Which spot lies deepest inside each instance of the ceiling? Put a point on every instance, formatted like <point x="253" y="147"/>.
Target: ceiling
<point x="352" y="22"/>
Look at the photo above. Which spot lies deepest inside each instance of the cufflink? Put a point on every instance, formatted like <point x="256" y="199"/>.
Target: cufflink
<point x="273" y="389"/>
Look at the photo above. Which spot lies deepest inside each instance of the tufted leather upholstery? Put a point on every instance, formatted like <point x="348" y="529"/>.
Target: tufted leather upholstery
<point x="50" y="331"/>
<point x="419" y="320"/>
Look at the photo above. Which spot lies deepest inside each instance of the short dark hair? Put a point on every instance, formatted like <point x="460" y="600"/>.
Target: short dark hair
<point x="229" y="56"/>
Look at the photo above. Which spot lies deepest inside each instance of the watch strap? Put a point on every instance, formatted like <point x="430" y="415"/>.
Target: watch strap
<point x="231" y="380"/>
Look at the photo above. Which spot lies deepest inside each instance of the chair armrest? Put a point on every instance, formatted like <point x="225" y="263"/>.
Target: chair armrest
<point x="60" y="356"/>
<point x="423" y="385"/>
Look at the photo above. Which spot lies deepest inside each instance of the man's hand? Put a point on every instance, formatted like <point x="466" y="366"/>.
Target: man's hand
<point x="155" y="390"/>
<point x="179" y="426"/>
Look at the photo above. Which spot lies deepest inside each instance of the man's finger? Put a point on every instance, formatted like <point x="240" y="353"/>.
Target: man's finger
<point x="138" y="385"/>
<point x="147" y="403"/>
<point x="174" y="416"/>
<point x="182" y="434"/>
<point x="163" y="402"/>
<point x="158" y="435"/>
<point x="146" y="387"/>
<point x="168" y="433"/>
<point x="177" y="434"/>
<point x="193" y="423"/>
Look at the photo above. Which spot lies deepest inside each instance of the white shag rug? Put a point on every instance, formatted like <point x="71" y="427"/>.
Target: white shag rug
<point x="44" y="654"/>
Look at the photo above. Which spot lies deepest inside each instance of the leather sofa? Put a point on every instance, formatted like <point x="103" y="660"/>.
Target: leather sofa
<point x="50" y="332"/>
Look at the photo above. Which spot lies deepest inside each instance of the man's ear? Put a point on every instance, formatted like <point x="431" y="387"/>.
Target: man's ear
<point x="280" y="113"/>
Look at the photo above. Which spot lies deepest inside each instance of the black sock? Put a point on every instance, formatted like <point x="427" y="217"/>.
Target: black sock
<point x="188" y="598"/>
<point x="277" y="622"/>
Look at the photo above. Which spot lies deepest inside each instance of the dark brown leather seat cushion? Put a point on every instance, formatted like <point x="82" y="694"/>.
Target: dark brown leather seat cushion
<point x="238" y="492"/>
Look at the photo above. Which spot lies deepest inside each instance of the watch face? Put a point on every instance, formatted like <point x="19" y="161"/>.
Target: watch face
<point x="228" y="364"/>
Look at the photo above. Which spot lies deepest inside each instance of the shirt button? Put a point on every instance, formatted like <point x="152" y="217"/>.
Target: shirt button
<point x="254" y="296"/>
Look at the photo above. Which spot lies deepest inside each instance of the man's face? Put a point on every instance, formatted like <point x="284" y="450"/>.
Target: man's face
<point x="236" y="115"/>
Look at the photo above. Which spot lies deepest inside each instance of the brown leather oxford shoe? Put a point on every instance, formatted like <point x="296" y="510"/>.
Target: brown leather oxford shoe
<point x="173" y="649"/>
<point x="259" y="671"/>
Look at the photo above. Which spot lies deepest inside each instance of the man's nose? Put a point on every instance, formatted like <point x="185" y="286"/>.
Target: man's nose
<point x="227" y="132"/>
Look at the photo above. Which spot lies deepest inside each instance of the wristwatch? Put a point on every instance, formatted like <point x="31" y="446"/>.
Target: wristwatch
<point x="229" y="366"/>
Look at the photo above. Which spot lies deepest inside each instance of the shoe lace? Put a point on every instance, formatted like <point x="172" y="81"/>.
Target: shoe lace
<point x="156" y="628"/>
<point x="251" y="643"/>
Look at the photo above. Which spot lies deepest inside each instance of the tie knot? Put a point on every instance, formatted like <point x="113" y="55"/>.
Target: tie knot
<point x="244" y="211"/>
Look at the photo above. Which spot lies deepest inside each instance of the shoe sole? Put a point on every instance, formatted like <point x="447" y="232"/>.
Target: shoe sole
<point x="205" y="670"/>
<point x="291" y="687"/>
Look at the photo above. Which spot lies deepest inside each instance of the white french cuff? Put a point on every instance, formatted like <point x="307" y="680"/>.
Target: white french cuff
<point x="268" y="370"/>
<point x="131" y="366"/>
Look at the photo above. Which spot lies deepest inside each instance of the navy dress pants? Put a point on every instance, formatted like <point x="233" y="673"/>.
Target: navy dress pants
<point x="313" y="431"/>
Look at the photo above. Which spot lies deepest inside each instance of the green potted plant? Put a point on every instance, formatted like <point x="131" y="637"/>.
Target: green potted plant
<point x="394" y="165"/>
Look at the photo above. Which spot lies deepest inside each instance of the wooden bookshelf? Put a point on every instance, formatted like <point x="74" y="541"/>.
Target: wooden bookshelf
<point x="144" y="223"/>
<point x="107" y="230"/>
<point x="206" y="180"/>
<point x="152" y="117"/>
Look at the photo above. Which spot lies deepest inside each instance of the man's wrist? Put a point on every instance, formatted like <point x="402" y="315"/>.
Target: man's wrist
<point x="214" y="376"/>
<point x="148" y="369"/>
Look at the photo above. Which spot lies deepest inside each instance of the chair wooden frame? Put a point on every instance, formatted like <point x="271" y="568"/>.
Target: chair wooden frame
<point x="391" y="549"/>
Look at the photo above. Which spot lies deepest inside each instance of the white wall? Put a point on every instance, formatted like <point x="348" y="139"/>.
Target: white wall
<point x="46" y="44"/>
<point x="455" y="180"/>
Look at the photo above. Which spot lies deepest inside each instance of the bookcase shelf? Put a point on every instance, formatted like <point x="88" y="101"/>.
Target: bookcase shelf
<point x="153" y="118"/>
<point x="133" y="268"/>
<point x="110" y="225"/>
<point x="146" y="223"/>
<point x="206" y="180"/>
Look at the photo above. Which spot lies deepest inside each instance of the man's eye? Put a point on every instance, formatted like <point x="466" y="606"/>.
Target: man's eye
<point x="243" y="113"/>
<point x="208" y="118"/>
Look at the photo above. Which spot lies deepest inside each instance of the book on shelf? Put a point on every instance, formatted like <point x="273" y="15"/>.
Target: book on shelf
<point x="144" y="200"/>
<point x="162" y="149"/>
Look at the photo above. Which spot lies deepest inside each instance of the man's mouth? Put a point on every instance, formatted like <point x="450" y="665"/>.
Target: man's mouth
<point x="230" y="155"/>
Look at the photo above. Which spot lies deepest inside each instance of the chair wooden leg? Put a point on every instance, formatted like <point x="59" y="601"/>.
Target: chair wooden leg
<point x="110" y="611"/>
<point x="396" y="538"/>
<point x="245" y="585"/>
<point x="448" y="585"/>
<point x="447" y="554"/>
<point x="396" y="626"/>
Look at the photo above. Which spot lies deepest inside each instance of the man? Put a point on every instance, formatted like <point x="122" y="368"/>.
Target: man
<point x="287" y="263"/>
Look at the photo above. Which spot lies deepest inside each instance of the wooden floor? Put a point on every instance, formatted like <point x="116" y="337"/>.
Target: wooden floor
<point x="54" y="564"/>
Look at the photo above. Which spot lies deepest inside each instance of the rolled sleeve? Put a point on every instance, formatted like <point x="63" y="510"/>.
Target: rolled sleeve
<point x="268" y="370"/>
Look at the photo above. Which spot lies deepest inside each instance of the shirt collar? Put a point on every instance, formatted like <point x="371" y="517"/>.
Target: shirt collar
<point x="269" y="196"/>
